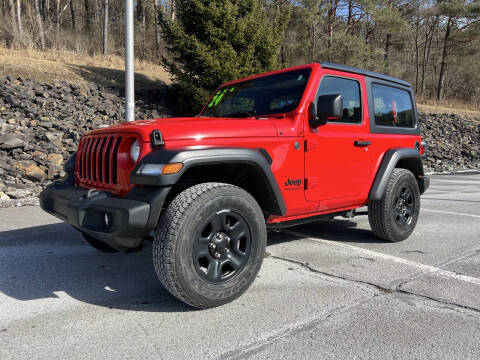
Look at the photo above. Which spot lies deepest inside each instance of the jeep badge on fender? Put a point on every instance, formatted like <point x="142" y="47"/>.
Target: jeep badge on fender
<point x="210" y="186"/>
<point x="296" y="182"/>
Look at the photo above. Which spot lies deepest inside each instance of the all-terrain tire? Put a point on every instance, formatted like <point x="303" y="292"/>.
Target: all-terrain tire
<point x="97" y="244"/>
<point x="389" y="216"/>
<point x="186" y="222"/>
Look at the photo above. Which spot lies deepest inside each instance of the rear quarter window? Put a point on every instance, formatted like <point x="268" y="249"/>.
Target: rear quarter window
<point x="392" y="107"/>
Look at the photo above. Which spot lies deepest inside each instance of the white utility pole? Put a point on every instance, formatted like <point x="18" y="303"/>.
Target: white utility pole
<point x="129" y="59"/>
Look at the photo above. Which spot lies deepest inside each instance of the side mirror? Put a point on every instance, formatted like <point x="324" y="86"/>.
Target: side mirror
<point x="329" y="107"/>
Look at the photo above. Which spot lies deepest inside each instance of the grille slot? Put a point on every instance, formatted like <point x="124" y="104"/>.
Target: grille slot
<point x="98" y="160"/>
<point x="94" y="159"/>
<point x="101" y="155"/>
<point x="107" y="160"/>
<point x="115" y="152"/>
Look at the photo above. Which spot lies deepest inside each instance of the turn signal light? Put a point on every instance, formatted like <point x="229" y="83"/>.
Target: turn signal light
<point x="171" y="169"/>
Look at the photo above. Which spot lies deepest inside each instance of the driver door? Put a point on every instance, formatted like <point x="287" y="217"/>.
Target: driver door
<point x="337" y="157"/>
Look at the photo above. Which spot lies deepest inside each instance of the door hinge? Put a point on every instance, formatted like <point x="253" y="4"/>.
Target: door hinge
<point x="310" y="183"/>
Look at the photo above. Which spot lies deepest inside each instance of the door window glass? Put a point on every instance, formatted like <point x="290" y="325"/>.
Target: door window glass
<point x="350" y="90"/>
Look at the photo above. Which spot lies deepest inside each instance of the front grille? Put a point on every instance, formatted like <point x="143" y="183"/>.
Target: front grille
<point x="97" y="160"/>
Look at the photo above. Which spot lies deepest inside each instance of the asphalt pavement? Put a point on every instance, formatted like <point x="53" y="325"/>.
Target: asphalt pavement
<point x="327" y="290"/>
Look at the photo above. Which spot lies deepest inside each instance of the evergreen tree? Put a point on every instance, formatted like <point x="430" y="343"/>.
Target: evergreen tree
<point x="214" y="41"/>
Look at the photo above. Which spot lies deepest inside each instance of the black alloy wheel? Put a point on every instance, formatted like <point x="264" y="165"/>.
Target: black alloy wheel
<point x="222" y="248"/>
<point x="395" y="215"/>
<point x="404" y="205"/>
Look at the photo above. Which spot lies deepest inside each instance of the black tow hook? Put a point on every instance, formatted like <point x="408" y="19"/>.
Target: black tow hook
<point x="91" y="193"/>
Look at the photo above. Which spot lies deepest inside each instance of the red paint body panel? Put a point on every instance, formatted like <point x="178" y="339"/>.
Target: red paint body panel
<point x="196" y="129"/>
<point x="335" y="174"/>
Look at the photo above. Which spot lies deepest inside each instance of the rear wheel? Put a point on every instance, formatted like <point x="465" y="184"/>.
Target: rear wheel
<point x="209" y="244"/>
<point x="97" y="244"/>
<point x="395" y="215"/>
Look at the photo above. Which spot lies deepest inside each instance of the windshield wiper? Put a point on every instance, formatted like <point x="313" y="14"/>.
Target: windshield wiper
<point x="242" y="114"/>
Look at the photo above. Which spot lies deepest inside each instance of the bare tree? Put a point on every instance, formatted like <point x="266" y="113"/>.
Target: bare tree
<point x="72" y="12"/>
<point x="388" y="39"/>
<point x="443" y="64"/>
<point x="46" y="9"/>
<point x="19" y="19"/>
<point x="350" y="16"/>
<point x="429" y="35"/>
<point x="12" y="12"/>
<point x="40" y="25"/>
<point x="331" y="16"/>
<point x="417" y="50"/>
<point x="57" y="22"/>
<point x="105" y="27"/>
<point x="88" y="20"/>
<point x="157" y="28"/>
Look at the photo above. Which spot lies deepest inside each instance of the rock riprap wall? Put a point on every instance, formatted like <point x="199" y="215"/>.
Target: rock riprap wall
<point x="41" y="124"/>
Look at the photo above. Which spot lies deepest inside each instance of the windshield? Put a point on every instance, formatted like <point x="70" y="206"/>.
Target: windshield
<point x="266" y="95"/>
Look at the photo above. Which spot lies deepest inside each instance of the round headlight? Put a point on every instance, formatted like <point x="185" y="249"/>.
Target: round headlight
<point x="135" y="151"/>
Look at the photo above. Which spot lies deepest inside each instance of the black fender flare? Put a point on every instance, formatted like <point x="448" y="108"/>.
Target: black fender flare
<point x="210" y="156"/>
<point x="389" y="162"/>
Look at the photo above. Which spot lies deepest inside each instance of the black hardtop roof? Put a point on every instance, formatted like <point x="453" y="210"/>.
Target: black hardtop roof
<point x="368" y="73"/>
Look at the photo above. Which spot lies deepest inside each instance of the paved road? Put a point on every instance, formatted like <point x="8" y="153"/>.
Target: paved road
<point x="326" y="290"/>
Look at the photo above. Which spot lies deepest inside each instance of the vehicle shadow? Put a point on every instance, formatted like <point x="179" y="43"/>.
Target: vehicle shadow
<point x="44" y="261"/>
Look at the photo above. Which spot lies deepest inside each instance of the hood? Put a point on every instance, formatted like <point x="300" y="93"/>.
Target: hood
<point x="196" y="128"/>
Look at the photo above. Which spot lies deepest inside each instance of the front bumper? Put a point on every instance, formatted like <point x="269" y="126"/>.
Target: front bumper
<point x="120" y="222"/>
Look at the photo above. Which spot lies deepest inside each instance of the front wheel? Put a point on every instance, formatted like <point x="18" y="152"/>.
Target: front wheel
<point x="209" y="244"/>
<point x="395" y="215"/>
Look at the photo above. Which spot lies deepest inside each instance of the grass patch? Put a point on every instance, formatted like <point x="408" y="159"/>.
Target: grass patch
<point x="449" y="106"/>
<point x="108" y="71"/>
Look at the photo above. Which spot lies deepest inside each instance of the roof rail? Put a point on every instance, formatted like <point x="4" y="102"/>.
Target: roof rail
<point x="368" y="73"/>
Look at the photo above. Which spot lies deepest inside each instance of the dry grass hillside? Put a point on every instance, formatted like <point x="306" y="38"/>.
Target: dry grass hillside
<point x="465" y="111"/>
<point x="107" y="71"/>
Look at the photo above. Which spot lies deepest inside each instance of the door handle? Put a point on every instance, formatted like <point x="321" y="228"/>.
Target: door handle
<point x="361" y="143"/>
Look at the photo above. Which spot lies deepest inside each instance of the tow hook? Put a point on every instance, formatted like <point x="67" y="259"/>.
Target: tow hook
<point x="91" y="193"/>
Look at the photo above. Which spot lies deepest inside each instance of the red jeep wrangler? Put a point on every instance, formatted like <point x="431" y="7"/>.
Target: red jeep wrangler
<point x="268" y="151"/>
